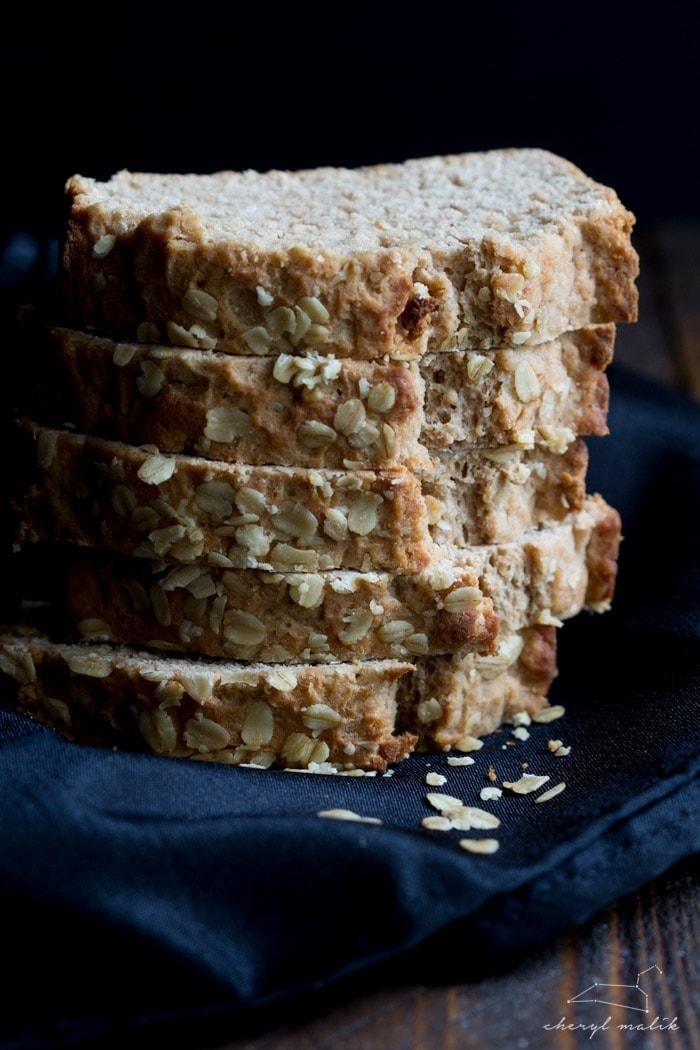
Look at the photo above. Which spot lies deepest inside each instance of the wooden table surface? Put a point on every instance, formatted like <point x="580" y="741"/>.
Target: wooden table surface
<point x="658" y="926"/>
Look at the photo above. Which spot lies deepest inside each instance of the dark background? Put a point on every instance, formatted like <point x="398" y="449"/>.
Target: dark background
<point x="92" y="88"/>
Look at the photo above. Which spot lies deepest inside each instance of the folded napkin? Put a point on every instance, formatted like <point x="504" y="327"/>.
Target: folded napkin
<point x="146" y="898"/>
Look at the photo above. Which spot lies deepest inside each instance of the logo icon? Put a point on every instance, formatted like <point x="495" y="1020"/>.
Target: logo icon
<point x="626" y="996"/>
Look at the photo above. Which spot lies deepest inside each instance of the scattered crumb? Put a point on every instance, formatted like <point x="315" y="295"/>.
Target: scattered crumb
<point x="491" y="774"/>
<point x="546" y="795"/>
<point x="469" y="743"/>
<point x="436" y="823"/>
<point x="443" y="803"/>
<point x="435" y="779"/>
<point x="348" y="814"/>
<point x="489" y="793"/>
<point x="464" y="760"/>
<point x="549" y="714"/>
<point x="479" y="845"/>
<point x="481" y="818"/>
<point x="327" y="768"/>
<point x="527" y="783"/>
<point x="524" y="765"/>
<point x="557" y="748"/>
<point x="460" y="815"/>
<point x="521" y="733"/>
<point x="521" y="718"/>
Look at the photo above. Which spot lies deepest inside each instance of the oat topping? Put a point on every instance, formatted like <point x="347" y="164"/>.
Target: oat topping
<point x="479" y="845"/>
<point x="435" y="779"/>
<point x="103" y="245"/>
<point x="557" y="748"/>
<point x="469" y="743"/>
<point x="528" y="782"/>
<point x="549" y="714"/>
<point x="348" y="814"/>
<point x="460" y="815"/>
<point x="551" y="792"/>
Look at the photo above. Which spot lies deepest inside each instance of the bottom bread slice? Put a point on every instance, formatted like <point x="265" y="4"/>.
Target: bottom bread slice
<point x="360" y="716"/>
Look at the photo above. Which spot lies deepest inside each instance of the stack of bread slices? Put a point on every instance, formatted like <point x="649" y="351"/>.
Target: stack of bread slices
<point x="311" y="470"/>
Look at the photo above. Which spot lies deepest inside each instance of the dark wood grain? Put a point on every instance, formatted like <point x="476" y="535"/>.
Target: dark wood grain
<point x="658" y="926"/>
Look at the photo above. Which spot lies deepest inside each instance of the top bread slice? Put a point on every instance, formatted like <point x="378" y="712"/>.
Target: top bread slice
<point x="506" y="247"/>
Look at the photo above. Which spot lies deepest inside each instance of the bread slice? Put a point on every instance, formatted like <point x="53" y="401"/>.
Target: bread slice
<point x="77" y="488"/>
<point x="478" y="596"/>
<point x="217" y="710"/>
<point x="278" y="617"/>
<point x="305" y="410"/>
<point x="336" y="717"/>
<point x="138" y="501"/>
<point x="475" y="250"/>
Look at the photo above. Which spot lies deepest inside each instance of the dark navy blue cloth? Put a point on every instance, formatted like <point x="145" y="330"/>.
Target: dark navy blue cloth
<point x="148" y="898"/>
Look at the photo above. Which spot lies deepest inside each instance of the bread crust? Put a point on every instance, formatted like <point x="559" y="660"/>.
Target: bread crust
<point x="388" y="259"/>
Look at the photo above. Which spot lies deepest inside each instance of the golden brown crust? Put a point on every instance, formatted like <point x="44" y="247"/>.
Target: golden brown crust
<point x="604" y="549"/>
